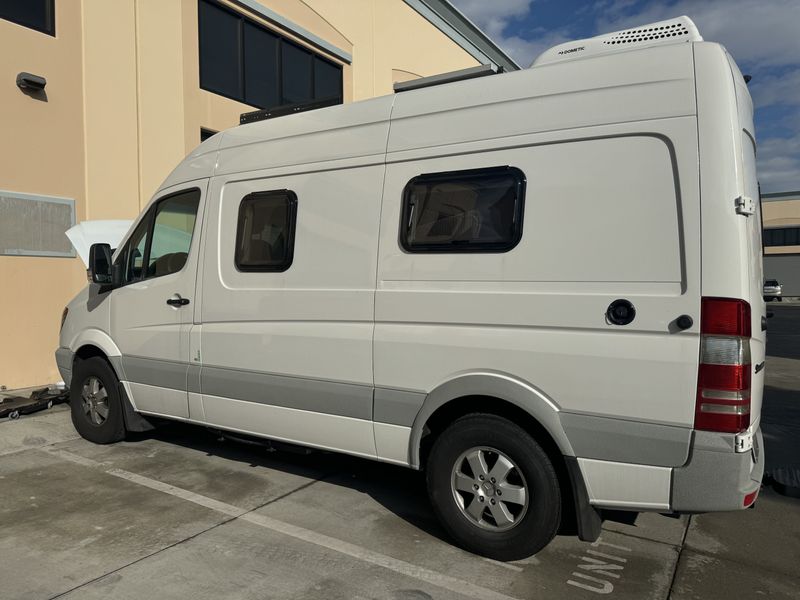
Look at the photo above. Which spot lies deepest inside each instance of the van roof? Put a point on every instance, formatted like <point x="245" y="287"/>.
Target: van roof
<point x="551" y="95"/>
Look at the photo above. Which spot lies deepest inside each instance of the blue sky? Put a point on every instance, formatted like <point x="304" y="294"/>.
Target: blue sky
<point x="762" y="35"/>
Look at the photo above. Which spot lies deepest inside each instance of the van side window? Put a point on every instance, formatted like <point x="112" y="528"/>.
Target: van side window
<point x="265" y="231"/>
<point x="479" y="210"/>
<point x="160" y="248"/>
<point x="172" y="234"/>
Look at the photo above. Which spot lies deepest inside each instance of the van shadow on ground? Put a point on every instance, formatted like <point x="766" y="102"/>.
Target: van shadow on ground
<point x="780" y="424"/>
<point x="400" y="490"/>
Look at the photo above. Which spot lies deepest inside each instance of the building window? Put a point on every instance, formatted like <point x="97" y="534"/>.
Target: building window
<point x="34" y="14"/>
<point x="478" y="210"/>
<point x="265" y="231"/>
<point x="244" y="61"/>
<point x="33" y="225"/>
<point x="782" y="236"/>
<point x="206" y="133"/>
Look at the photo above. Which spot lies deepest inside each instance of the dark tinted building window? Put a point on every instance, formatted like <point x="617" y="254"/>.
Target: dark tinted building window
<point x="260" y="66"/>
<point x="265" y="231"/>
<point x="782" y="236"/>
<point x="297" y="65"/>
<point x="327" y="79"/>
<point x="464" y="211"/>
<point x="206" y="133"/>
<point x="220" y="51"/>
<point x="244" y="61"/>
<point x="35" y="14"/>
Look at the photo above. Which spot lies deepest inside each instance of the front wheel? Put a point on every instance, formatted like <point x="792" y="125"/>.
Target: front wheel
<point x="493" y="488"/>
<point x="95" y="401"/>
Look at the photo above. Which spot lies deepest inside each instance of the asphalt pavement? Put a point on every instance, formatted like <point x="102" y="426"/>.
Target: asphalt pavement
<point x="181" y="513"/>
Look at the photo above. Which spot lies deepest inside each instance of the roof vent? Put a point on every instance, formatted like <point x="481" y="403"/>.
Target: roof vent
<point x="680" y="29"/>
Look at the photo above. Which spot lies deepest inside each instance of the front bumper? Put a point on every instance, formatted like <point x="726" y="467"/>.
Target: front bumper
<point x="717" y="478"/>
<point x="64" y="360"/>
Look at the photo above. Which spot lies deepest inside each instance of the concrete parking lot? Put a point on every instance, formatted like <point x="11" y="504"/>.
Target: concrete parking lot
<point x="183" y="514"/>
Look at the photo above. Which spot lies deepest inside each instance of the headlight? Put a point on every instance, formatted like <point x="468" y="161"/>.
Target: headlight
<point x="64" y="317"/>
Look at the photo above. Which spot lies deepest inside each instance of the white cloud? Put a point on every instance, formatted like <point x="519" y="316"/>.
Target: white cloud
<point x="779" y="164"/>
<point x="495" y="17"/>
<point x="776" y="90"/>
<point x="757" y="32"/>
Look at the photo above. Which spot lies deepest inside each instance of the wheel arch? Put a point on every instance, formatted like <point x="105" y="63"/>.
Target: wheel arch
<point x="487" y="392"/>
<point x="94" y="342"/>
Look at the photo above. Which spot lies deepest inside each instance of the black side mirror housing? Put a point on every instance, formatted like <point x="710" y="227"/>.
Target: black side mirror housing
<point x="99" y="270"/>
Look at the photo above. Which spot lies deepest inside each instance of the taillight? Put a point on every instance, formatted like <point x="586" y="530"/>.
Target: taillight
<point x="723" y="378"/>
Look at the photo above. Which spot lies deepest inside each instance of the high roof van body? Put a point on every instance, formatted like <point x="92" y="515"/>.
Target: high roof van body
<point x="542" y="287"/>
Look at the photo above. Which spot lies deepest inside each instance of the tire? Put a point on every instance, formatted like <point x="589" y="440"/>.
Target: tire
<point x="95" y="403"/>
<point x="780" y="299"/>
<point x="523" y="528"/>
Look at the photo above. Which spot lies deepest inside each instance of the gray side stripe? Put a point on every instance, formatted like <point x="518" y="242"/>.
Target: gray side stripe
<point x="332" y="398"/>
<point x="397" y="407"/>
<point x="627" y="441"/>
<point x="193" y="379"/>
<point x="160" y="373"/>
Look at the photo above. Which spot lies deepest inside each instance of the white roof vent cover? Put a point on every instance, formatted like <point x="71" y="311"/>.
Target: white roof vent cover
<point x="680" y="29"/>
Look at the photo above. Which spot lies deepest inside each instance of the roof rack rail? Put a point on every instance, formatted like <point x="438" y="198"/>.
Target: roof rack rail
<point x="469" y="73"/>
<point x="271" y="113"/>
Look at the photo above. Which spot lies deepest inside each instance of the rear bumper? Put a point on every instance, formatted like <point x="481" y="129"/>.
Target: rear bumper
<point x="717" y="478"/>
<point x="64" y="359"/>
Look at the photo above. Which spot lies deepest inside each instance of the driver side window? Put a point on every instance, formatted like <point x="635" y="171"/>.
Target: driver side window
<point x="160" y="243"/>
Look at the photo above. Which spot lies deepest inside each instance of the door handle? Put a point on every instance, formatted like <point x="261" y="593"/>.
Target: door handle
<point x="176" y="300"/>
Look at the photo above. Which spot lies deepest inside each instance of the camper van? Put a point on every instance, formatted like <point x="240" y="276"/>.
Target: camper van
<point x="543" y="288"/>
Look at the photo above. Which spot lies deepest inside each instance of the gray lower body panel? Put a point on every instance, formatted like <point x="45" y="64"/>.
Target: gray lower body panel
<point x="397" y="407"/>
<point x="155" y="372"/>
<point x="717" y="478"/>
<point x="64" y="360"/>
<point x="622" y="441"/>
<point x="328" y="397"/>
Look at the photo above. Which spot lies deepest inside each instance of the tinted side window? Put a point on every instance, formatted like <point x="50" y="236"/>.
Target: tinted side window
<point x="463" y="211"/>
<point x="172" y="234"/>
<point x="35" y="14"/>
<point x="265" y="231"/>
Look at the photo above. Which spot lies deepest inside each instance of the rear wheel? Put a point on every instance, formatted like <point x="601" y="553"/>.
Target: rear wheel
<point x="95" y="403"/>
<point x="493" y="488"/>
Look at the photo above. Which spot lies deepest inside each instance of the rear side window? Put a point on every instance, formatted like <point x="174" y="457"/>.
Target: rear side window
<point x="265" y="231"/>
<point x="479" y="210"/>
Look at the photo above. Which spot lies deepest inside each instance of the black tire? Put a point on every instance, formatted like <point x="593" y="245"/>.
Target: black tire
<point x="780" y="299"/>
<point x="112" y="428"/>
<point x="536" y="526"/>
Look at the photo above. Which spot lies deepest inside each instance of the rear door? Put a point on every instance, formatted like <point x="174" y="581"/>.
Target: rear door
<point x="151" y="313"/>
<point x="754" y="228"/>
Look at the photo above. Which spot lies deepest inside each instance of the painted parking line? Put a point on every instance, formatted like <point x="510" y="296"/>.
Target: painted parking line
<point x="393" y="564"/>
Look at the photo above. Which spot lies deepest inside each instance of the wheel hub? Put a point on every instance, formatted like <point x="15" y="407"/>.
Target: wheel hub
<point x="489" y="489"/>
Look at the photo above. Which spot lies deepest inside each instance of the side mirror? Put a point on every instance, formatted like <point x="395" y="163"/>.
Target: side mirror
<point x="99" y="270"/>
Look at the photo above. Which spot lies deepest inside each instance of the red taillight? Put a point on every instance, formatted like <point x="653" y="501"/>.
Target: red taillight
<point x="725" y="316"/>
<point x="750" y="498"/>
<point x="723" y="378"/>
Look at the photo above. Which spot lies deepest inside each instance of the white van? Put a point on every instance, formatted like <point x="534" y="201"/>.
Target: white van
<point x="541" y="287"/>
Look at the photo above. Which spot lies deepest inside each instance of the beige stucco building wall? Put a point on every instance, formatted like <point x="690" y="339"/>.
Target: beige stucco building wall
<point x="124" y="105"/>
<point x="782" y="213"/>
